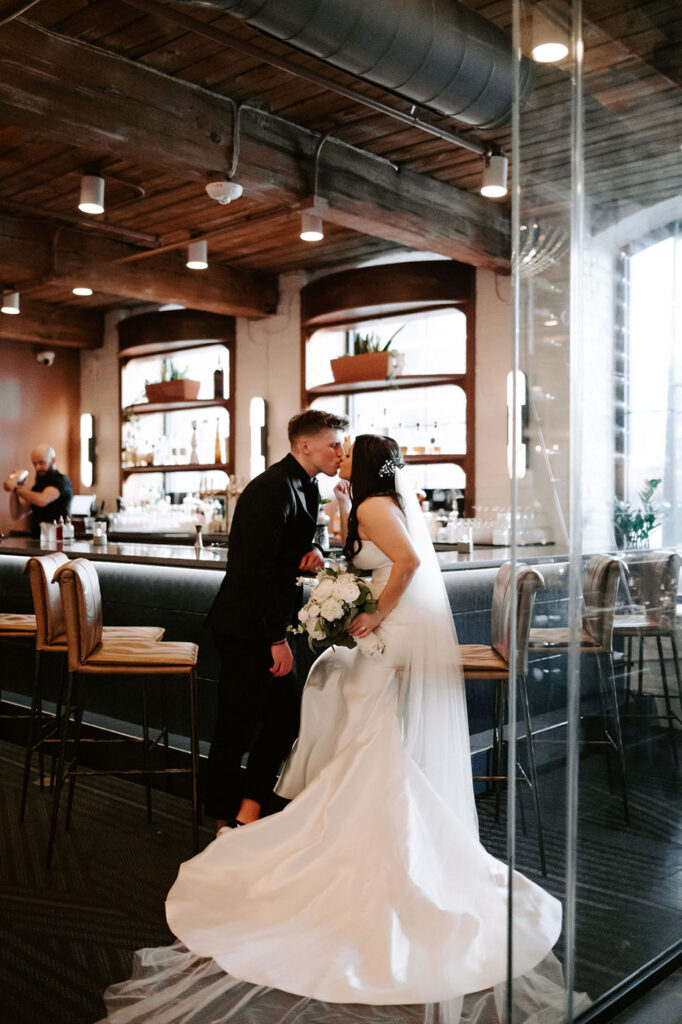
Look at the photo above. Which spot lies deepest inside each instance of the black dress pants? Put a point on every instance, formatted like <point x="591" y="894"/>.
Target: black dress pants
<point x="258" y="714"/>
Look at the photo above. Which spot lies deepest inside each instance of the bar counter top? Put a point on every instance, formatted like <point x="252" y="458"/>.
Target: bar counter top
<point x="184" y="556"/>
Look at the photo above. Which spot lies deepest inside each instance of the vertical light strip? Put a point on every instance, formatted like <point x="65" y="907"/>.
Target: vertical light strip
<point x="575" y="572"/>
<point x="516" y="340"/>
<point x="86" y="463"/>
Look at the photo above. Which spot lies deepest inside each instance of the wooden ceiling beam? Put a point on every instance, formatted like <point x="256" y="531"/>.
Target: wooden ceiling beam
<point x="91" y="98"/>
<point x="53" y="326"/>
<point x="31" y="257"/>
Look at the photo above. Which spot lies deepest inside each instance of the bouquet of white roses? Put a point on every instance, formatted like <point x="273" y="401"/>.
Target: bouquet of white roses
<point x="337" y="597"/>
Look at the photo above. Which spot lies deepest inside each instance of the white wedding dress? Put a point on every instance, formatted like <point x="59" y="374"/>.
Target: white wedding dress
<point x="369" y="897"/>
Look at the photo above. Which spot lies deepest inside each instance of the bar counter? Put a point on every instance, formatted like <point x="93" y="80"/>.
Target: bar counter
<point x="168" y="585"/>
<point x="215" y="557"/>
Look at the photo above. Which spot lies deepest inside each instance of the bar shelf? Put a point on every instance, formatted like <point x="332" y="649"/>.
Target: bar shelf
<point x="184" y="467"/>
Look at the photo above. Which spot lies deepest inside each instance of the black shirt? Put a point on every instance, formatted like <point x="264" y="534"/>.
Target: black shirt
<point x="61" y="506"/>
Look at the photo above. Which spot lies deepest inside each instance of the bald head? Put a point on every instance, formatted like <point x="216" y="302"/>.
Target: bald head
<point x="43" y="458"/>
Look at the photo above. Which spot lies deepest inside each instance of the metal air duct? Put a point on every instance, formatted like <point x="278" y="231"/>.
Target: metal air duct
<point x="437" y="54"/>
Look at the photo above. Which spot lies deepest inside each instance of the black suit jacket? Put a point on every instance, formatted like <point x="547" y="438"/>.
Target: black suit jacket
<point x="271" y="530"/>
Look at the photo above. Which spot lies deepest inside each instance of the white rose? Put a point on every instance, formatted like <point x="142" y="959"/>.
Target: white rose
<point x="332" y="609"/>
<point x="346" y="590"/>
<point x="313" y="610"/>
<point x="324" y="589"/>
<point x="317" y="634"/>
<point x="303" y="614"/>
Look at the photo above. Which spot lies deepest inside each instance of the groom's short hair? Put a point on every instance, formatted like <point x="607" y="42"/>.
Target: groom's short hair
<point x="312" y="421"/>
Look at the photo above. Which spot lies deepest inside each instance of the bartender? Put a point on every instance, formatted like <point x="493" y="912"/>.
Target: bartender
<point x="48" y="499"/>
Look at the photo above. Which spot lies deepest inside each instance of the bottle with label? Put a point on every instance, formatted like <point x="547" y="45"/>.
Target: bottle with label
<point x="59" y="533"/>
<point x="219" y="382"/>
<point x="68" y="531"/>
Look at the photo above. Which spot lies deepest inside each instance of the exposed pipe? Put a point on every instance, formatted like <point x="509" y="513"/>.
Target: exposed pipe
<point x="208" y="31"/>
<point x="437" y="53"/>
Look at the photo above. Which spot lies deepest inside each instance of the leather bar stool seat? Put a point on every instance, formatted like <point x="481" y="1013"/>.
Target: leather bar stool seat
<point x="92" y="654"/>
<point x="13" y="624"/>
<point x="481" y="661"/>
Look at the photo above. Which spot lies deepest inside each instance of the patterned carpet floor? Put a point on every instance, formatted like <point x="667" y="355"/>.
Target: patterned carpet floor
<point x="69" y="932"/>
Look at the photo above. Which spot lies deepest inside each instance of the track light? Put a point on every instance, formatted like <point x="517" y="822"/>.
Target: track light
<point x="81" y="290"/>
<point x="92" y="194"/>
<point x="494" y="184"/>
<point x="311" y="228"/>
<point x="197" y="255"/>
<point x="549" y="39"/>
<point x="10" y="303"/>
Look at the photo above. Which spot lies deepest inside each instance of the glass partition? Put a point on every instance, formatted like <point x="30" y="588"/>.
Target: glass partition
<point x="596" y="279"/>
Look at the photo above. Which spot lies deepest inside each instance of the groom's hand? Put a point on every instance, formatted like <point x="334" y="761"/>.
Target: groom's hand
<point x="311" y="562"/>
<point x="282" y="659"/>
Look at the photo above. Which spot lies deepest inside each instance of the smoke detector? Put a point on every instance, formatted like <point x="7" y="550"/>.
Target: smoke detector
<point x="224" y="191"/>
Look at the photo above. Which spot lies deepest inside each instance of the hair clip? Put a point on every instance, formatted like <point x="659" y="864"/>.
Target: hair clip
<point x="389" y="467"/>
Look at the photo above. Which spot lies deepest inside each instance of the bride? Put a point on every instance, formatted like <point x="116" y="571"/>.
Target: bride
<point x="369" y="897"/>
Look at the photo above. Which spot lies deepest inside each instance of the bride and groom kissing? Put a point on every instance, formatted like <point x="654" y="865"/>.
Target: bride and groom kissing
<point x="369" y="896"/>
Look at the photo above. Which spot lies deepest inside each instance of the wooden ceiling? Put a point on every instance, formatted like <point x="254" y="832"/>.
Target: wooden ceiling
<point x="144" y="92"/>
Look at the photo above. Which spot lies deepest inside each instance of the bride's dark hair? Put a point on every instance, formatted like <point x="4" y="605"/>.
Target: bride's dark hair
<point x="375" y="459"/>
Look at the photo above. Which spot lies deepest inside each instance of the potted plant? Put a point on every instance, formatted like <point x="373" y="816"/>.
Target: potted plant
<point x="174" y="385"/>
<point x="370" y="360"/>
<point x="634" y="525"/>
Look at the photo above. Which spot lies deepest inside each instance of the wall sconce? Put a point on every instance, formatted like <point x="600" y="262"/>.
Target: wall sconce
<point x="258" y="420"/>
<point x="87" y="449"/>
<point x="197" y="255"/>
<point x="494" y="183"/>
<point x="92" y="194"/>
<point x="516" y="461"/>
<point x="10" y="303"/>
<point x="549" y="39"/>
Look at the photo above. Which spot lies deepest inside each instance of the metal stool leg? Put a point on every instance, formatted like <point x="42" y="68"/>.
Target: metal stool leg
<point x="640" y="670"/>
<point x="498" y="761"/>
<point x="145" y="751"/>
<point x="676" y="663"/>
<point x="620" y="749"/>
<point x="59" y="771"/>
<point x="194" y="753"/>
<point x="73" y="764"/>
<point x="666" y="696"/>
<point x="523" y="689"/>
<point x="33" y="731"/>
<point x="605" y="722"/>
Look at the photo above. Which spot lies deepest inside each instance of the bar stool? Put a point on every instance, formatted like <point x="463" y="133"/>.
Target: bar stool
<point x="480" y="661"/>
<point x="600" y="586"/>
<point x="91" y="654"/>
<point x="51" y="641"/>
<point x="653" y="578"/>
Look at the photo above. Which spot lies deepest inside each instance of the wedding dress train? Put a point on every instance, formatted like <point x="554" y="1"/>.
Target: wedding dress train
<point x="369" y="898"/>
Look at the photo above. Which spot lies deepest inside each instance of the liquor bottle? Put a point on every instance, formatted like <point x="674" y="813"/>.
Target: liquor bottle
<point x="418" y="446"/>
<point x="193" y="454"/>
<point x="218" y="451"/>
<point x="219" y="382"/>
<point x="434" y="446"/>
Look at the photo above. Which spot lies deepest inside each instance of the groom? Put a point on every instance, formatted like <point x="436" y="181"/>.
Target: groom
<point x="270" y="542"/>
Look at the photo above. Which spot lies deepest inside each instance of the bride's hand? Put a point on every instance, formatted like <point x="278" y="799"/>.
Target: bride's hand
<point x="342" y="492"/>
<point x="364" y="624"/>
